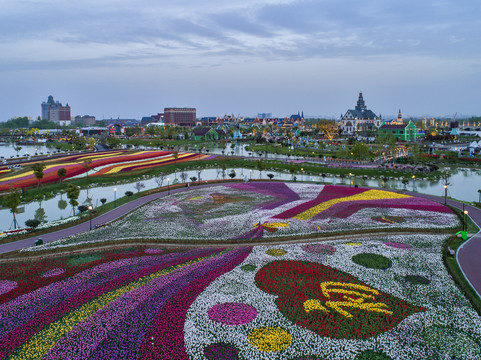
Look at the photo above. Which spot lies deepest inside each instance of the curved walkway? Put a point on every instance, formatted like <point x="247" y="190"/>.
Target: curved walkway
<point x="468" y="255"/>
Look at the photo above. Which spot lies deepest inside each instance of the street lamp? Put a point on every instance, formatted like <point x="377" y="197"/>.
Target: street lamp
<point x="414" y="177"/>
<point x="465" y="212"/>
<point x="250" y="173"/>
<point x="90" y="212"/>
<point x="115" y="197"/>
<point x="350" y="179"/>
<point x="168" y="186"/>
<point x="445" y="193"/>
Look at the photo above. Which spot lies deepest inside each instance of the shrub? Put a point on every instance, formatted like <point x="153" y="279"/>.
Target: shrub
<point x="372" y="261"/>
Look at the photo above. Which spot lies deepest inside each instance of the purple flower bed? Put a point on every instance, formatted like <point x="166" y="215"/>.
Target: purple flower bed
<point x="124" y="327"/>
<point x="6" y="286"/>
<point x="28" y="314"/>
<point x="232" y="313"/>
<point x="397" y="245"/>
<point x="329" y="192"/>
<point x="278" y="190"/>
<point x="321" y="249"/>
<point x="53" y="272"/>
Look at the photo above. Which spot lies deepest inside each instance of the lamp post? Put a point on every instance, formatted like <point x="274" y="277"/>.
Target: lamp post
<point x="250" y="174"/>
<point x="465" y="212"/>
<point x="302" y="174"/>
<point x="115" y="197"/>
<point x="350" y="179"/>
<point x="414" y="177"/>
<point x="168" y="186"/>
<point x="445" y="193"/>
<point x="90" y="213"/>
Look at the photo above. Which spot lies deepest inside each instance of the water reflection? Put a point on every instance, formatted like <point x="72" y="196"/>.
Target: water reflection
<point x="464" y="186"/>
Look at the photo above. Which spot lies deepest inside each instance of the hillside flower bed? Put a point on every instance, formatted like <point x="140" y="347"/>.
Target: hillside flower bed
<point x="73" y="165"/>
<point x="271" y="210"/>
<point x="292" y="301"/>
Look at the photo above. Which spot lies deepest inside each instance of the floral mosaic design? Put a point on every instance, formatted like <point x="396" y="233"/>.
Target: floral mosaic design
<point x="291" y="301"/>
<point x="337" y="309"/>
<point x="269" y="210"/>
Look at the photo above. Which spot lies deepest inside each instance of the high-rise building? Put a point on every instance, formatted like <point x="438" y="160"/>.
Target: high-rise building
<point x="180" y="116"/>
<point x="56" y="112"/>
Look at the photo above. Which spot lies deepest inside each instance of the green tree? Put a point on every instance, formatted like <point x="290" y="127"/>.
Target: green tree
<point x="17" y="149"/>
<point x="389" y="141"/>
<point x="87" y="165"/>
<point x="32" y="223"/>
<point x="175" y="154"/>
<point x="113" y="142"/>
<point x="292" y="169"/>
<point x="360" y="151"/>
<point x="73" y="193"/>
<point x="260" y="167"/>
<point x="15" y="123"/>
<point x="40" y="214"/>
<point x="62" y="204"/>
<point x="12" y="201"/>
<point x="61" y="173"/>
<point x="38" y="169"/>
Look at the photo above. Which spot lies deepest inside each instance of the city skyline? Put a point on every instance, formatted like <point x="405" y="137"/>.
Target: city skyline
<point x="114" y="59"/>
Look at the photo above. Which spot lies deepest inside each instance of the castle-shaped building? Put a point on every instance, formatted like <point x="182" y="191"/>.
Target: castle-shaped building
<point x="359" y="119"/>
<point x="56" y="112"/>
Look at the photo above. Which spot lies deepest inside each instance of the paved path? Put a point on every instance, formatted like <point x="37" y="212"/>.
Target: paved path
<point x="468" y="255"/>
<point x="85" y="226"/>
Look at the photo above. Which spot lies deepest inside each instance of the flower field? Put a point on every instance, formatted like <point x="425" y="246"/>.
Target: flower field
<point x="73" y="165"/>
<point x="271" y="210"/>
<point x="122" y="161"/>
<point x="375" y="298"/>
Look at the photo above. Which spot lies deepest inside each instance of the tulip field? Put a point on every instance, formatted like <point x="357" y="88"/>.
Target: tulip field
<point x="105" y="162"/>
<point x="269" y="210"/>
<point x="375" y="296"/>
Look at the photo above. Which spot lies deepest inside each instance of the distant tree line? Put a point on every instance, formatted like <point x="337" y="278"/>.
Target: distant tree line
<point x="23" y="122"/>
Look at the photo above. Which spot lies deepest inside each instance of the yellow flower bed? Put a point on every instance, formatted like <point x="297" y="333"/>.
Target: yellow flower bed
<point x="367" y="195"/>
<point x="276" y="252"/>
<point x="119" y="168"/>
<point x="270" y="339"/>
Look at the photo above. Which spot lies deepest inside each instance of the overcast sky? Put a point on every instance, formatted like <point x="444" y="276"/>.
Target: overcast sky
<point x="128" y="59"/>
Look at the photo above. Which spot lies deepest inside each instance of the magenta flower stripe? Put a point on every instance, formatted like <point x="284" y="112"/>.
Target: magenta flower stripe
<point x="167" y="330"/>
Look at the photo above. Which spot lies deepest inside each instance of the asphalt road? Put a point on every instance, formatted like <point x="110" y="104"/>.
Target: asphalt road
<point x="468" y="255"/>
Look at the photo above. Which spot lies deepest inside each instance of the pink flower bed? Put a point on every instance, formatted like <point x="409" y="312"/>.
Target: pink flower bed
<point x="397" y="245"/>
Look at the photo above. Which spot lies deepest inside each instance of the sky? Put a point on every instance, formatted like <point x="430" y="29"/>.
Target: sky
<point x="128" y="59"/>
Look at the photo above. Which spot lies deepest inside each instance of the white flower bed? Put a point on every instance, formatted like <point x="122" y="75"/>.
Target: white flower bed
<point x="446" y="307"/>
<point x="194" y="215"/>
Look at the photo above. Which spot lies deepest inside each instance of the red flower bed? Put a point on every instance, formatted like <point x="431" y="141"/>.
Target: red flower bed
<point x="330" y="302"/>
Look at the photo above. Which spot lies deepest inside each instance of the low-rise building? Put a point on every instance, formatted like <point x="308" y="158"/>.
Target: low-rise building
<point x="403" y="132"/>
